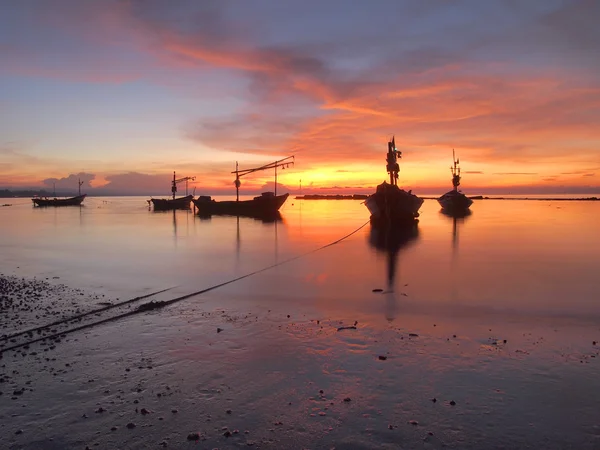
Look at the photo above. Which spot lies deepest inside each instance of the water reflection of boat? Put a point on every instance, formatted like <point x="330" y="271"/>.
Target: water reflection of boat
<point x="457" y="217"/>
<point x="166" y="204"/>
<point x="71" y="201"/>
<point x="265" y="218"/>
<point x="389" y="203"/>
<point x="454" y="200"/>
<point x="391" y="240"/>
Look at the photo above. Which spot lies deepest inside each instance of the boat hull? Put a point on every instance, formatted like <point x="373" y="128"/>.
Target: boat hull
<point x="455" y="201"/>
<point x="259" y="207"/>
<point x="73" y="201"/>
<point x="161" y="204"/>
<point x="390" y="204"/>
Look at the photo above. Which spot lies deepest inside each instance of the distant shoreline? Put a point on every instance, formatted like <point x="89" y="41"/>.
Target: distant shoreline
<point x="475" y="197"/>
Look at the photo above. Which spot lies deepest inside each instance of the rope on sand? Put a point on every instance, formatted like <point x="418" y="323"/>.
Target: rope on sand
<point x="79" y="316"/>
<point x="160" y="304"/>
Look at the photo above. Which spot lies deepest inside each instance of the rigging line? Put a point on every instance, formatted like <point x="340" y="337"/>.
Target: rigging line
<point x="79" y="316"/>
<point x="160" y="304"/>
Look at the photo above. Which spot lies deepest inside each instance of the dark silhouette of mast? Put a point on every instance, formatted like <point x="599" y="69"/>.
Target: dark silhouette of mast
<point x="455" y="169"/>
<point x="80" y="183"/>
<point x="393" y="168"/>
<point x="180" y="180"/>
<point x="283" y="163"/>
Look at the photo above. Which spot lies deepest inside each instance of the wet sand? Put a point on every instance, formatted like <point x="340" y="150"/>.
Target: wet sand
<point x="231" y="369"/>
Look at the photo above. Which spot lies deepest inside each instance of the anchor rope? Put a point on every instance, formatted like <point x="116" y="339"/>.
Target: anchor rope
<point x="160" y="304"/>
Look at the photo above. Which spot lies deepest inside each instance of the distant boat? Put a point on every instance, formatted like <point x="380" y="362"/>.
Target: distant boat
<point x="455" y="201"/>
<point x="389" y="203"/>
<point x="261" y="207"/>
<point x="167" y="204"/>
<point x="265" y="206"/>
<point x="71" y="201"/>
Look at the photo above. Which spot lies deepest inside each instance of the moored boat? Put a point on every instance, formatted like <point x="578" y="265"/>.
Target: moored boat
<point x="455" y="201"/>
<point x="389" y="203"/>
<point x="71" y="201"/>
<point x="263" y="206"/>
<point x="166" y="204"/>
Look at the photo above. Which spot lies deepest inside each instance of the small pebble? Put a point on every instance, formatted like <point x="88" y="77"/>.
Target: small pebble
<point x="131" y="425"/>
<point x="193" y="437"/>
<point x="382" y="358"/>
<point x="452" y="402"/>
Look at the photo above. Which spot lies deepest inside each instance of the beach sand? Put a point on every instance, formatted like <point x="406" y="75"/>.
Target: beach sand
<point x="231" y="370"/>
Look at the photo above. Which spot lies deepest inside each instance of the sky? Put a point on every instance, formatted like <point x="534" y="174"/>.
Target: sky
<point x="121" y="93"/>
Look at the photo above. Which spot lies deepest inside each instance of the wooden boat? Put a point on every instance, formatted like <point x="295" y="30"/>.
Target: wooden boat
<point x="455" y="201"/>
<point x="262" y="207"/>
<point x="72" y="201"/>
<point x="166" y="204"/>
<point x="389" y="203"/>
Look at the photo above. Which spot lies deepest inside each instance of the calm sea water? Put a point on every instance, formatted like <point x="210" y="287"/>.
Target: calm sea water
<point x="515" y="257"/>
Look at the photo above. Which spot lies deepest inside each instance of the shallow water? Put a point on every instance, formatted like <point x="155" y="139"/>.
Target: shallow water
<point x="524" y="257"/>
<point x="501" y="305"/>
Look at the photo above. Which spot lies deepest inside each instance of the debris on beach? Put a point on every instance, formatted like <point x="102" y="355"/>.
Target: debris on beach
<point x="377" y="290"/>
<point x="151" y="305"/>
<point x="193" y="437"/>
<point x="382" y="357"/>
<point x="346" y="328"/>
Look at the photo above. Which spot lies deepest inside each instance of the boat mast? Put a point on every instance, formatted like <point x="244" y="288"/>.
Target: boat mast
<point x="237" y="183"/>
<point x="175" y="181"/>
<point x="173" y="186"/>
<point x="392" y="161"/>
<point x="80" y="183"/>
<point x="455" y="169"/>
<point x="283" y="163"/>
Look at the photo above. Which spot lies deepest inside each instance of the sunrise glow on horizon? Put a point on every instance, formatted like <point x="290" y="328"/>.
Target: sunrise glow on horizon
<point x="123" y="93"/>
